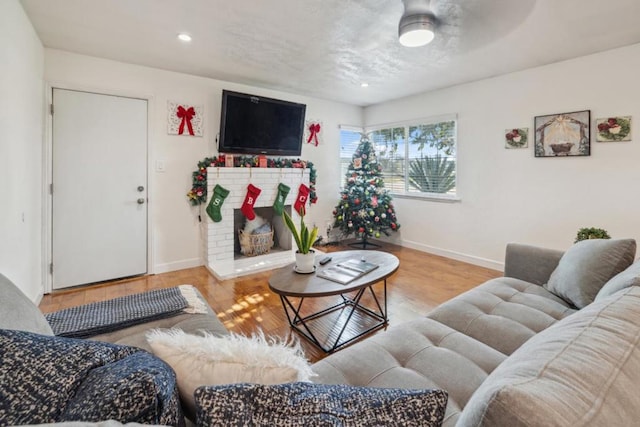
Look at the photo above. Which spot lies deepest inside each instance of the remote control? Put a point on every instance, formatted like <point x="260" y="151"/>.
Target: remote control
<point x="325" y="260"/>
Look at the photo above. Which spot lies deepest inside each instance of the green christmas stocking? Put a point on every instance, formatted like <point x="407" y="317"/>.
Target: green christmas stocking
<point x="278" y="205"/>
<point x="213" y="208"/>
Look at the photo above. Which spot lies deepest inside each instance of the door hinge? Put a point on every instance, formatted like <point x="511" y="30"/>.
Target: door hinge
<point x="51" y="268"/>
<point x="51" y="188"/>
<point x="51" y="108"/>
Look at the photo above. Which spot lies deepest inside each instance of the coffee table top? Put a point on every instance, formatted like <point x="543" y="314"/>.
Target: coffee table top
<point x="287" y="282"/>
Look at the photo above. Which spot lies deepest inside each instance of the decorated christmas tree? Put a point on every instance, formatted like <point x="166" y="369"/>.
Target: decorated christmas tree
<point x="365" y="207"/>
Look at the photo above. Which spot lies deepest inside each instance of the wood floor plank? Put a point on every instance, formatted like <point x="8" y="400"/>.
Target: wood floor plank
<point x="246" y="305"/>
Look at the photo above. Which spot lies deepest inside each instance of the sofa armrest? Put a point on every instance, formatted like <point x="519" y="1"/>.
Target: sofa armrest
<point x="530" y="263"/>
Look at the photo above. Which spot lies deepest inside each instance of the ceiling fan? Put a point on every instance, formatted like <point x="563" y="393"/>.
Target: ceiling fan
<point x="470" y="23"/>
<point x="417" y="24"/>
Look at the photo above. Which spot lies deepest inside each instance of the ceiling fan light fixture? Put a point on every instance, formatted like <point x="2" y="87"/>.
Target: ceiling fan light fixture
<point x="416" y="30"/>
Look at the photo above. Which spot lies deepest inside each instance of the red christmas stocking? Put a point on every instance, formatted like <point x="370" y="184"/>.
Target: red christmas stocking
<point x="250" y="199"/>
<point x="303" y="195"/>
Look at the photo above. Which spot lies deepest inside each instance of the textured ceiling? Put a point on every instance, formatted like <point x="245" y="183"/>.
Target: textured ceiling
<point x="327" y="48"/>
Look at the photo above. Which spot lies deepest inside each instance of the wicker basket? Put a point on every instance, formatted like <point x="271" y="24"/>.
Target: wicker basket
<point x="255" y="244"/>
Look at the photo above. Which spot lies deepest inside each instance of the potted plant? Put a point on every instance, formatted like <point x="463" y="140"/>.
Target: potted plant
<point x="305" y="256"/>
<point x="591" y="233"/>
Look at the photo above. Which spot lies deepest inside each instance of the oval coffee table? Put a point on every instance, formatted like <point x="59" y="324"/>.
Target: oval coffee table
<point x="344" y="321"/>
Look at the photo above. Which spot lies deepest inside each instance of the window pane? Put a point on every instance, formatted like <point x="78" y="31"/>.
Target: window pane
<point x="390" y="149"/>
<point x="349" y="140"/>
<point x="432" y="158"/>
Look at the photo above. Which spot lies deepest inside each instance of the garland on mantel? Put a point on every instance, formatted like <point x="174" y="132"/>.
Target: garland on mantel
<point x="198" y="193"/>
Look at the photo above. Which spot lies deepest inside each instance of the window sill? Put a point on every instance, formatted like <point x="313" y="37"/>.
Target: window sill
<point x="428" y="197"/>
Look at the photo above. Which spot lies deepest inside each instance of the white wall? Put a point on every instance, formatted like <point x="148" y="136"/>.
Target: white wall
<point x="177" y="243"/>
<point x="21" y="126"/>
<point x="509" y="195"/>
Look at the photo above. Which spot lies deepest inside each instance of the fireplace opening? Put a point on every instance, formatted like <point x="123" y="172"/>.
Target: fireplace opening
<point x="253" y="232"/>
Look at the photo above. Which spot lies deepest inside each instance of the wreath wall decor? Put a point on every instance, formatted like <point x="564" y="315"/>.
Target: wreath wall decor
<point x="614" y="129"/>
<point x="516" y="138"/>
<point x="198" y="193"/>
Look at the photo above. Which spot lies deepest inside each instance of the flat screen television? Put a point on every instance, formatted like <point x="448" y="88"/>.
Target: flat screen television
<point x="251" y="124"/>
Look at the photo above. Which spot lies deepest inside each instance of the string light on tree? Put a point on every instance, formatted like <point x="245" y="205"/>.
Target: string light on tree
<point x="365" y="208"/>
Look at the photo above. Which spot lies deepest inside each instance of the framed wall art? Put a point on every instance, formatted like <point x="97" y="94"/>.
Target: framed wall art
<point x="563" y="135"/>
<point x="516" y="138"/>
<point x="613" y="129"/>
<point x="184" y="119"/>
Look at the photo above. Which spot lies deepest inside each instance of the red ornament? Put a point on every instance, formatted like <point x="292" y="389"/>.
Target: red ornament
<point x="393" y="226"/>
<point x="361" y="230"/>
<point x="356" y="201"/>
<point x="200" y="178"/>
<point x="344" y="197"/>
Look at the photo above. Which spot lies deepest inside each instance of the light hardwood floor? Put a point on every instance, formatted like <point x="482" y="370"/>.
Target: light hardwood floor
<point x="245" y="304"/>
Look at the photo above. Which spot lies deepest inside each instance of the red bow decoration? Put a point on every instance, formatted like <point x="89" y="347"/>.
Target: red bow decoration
<point x="314" y="130"/>
<point x="186" y="116"/>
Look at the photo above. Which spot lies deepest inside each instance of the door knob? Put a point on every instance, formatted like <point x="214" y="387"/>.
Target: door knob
<point x="140" y="188"/>
<point x="140" y="201"/>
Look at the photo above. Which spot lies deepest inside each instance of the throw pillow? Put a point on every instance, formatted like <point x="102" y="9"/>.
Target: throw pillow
<point x="587" y="266"/>
<point x="43" y="379"/>
<point x="310" y="405"/>
<point x="629" y="277"/>
<point x="211" y="360"/>
<point x="129" y="389"/>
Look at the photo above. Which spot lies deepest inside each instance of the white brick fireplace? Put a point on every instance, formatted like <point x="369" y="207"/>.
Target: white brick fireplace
<point x="222" y="258"/>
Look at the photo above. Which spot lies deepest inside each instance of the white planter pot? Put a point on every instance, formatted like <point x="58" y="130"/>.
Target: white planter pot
<point x="305" y="263"/>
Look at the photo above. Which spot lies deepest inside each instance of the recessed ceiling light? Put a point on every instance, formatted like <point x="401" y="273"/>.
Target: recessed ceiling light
<point x="364" y="84"/>
<point x="184" y="37"/>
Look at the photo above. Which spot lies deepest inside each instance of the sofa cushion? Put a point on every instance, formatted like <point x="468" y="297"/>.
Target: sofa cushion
<point x="207" y="360"/>
<point x="19" y="312"/>
<point x="584" y="370"/>
<point x="502" y="313"/>
<point x="314" y="405"/>
<point x="136" y="336"/>
<point x="623" y="280"/>
<point x="51" y="379"/>
<point x="587" y="266"/>
<point x="419" y="354"/>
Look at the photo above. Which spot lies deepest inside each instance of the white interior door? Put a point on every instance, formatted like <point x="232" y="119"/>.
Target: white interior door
<point x="99" y="218"/>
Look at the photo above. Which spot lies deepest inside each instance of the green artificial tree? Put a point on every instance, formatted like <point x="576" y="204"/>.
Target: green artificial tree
<point x="365" y="207"/>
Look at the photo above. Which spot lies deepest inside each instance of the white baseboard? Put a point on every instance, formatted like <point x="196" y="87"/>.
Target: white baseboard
<point x="482" y="262"/>
<point x="38" y="298"/>
<point x="177" y="265"/>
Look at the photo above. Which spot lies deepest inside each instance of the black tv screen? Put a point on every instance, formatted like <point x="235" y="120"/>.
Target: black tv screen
<point x="252" y="124"/>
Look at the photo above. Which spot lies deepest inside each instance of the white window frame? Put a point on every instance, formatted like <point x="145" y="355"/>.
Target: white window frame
<point x="455" y="197"/>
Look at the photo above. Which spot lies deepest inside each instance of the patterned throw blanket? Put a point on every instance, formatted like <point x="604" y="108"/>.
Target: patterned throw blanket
<point x="119" y="313"/>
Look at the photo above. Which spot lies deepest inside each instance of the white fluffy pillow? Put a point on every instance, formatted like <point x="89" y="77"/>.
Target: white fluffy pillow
<point x="212" y="360"/>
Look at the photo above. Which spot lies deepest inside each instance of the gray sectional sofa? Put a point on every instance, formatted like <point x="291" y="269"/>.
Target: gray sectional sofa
<point x="521" y="350"/>
<point x="511" y="353"/>
<point x="97" y="380"/>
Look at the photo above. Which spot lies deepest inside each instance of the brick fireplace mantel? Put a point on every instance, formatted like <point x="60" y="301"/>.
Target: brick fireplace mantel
<point x="219" y="236"/>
